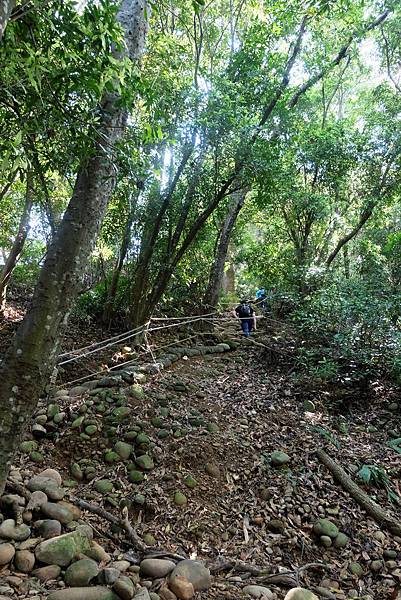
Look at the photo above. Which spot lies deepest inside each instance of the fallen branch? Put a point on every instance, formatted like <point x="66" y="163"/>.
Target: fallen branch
<point x="290" y="578"/>
<point x="263" y="574"/>
<point x="238" y="566"/>
<point x="370" y="506"/>
<point x="127" y="527"/>
<point x="162" y="554"/>
<point x="123" y="523"/>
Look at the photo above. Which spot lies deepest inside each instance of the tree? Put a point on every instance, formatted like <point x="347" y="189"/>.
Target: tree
<point x="213" y="289"/>
<point x="155" y="268"/>
<point x="19" y="241"/>
<point x="50" y="94"/>
<point x="32" y="354"/>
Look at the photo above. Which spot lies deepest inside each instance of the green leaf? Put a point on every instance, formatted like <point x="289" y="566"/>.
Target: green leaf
<point x="365" y="474"/>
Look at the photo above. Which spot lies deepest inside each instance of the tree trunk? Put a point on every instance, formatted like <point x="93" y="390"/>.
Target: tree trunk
<point x="217" y="271"/>
<point x="140" y="283"/>
<point x="346" y="262"/>
<point x="33" y="352"/>
<point x="125" y="243"/>
<point x="228" y="283"/>
<point x="367" y="213"/>
<point x="19" y="242"/>
<point x="6" y="7"/>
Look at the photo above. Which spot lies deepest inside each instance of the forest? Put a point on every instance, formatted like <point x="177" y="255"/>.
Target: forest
<point x="175" y="174"/>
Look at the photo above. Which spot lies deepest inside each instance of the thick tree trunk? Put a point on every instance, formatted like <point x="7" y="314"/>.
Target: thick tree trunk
<point x="217" y="271"/>
<point x="6" y="7"/>
<point x="33" y="352"/>
<point x="18" y="244"/>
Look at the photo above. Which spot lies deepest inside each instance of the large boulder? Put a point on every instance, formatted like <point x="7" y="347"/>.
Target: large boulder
<point x="63" y="549"/>
<point x="182" y="588"/>
<point x="36" y="500"/>
<point x="24" y="561"/>
<point x="48" y="528"/>
<point x="48" y="485"/>
<point x="195" y="572"/>
<point x="51" y="474"/>
<point x="58" y="512"/>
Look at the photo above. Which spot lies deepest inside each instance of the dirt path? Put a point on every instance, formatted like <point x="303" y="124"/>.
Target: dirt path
<point x="229" y="412"/>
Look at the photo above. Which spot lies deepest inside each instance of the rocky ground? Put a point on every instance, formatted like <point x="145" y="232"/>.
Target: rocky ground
<point x="214" y="460"/>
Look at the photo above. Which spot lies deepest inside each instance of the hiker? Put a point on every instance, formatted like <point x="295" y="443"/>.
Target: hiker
<point x="246" y="314"/>
<point x="261" y="298"/>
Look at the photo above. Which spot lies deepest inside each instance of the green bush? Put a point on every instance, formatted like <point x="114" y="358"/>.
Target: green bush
<point x="349" y="324"/>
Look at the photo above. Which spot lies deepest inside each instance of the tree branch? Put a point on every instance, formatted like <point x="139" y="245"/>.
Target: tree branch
<point x="336" y="60"/>
<point x="387" y="54"/>
<point x="365" y="216"/>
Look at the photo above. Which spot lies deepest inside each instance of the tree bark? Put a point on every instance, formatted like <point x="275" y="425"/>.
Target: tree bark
<point x="19" y="242"/>
<point x="217" y="271"/>
<point x="228" y="283"/>
<point x="33" y="352"/>
<point x="6" y="8"/>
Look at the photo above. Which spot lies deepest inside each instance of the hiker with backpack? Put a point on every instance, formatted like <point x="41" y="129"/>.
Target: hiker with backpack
<point x="261" y="298"/>
<point x="246" y="314"/>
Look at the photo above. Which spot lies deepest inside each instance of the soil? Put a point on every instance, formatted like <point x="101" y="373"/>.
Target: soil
<point x="256" y="398"/>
